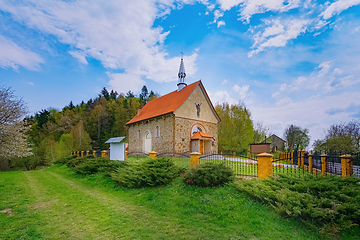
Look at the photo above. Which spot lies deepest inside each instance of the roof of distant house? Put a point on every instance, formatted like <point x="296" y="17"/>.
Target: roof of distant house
<point x="167" y="104"/>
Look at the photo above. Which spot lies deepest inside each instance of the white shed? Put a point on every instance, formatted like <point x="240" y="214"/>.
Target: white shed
<point x="117" y="148"/>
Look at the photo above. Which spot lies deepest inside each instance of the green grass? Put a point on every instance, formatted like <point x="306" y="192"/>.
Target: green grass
<point x="58" y="204"/>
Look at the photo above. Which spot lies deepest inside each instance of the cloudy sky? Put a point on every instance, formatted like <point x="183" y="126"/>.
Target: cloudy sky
<point x="289" y="61"/>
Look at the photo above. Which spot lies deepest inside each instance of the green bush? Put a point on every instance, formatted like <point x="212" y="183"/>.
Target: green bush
<point x="208" y="175"/>
<point x="148" y="172"/>
<point x="29" y="163"/>
<point x="65" y="160"/>
<point x="327" y="202"/>
<point x="95" y="165"/>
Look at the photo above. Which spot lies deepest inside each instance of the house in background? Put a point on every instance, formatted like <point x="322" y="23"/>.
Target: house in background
<point x="276" y="143"/>
<point x="182" y="121"/>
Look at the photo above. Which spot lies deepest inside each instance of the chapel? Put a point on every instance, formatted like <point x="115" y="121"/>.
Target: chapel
<point x="182" y="121"/>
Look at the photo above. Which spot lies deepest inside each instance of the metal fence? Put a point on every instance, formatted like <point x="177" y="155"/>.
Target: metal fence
<point x="241" y="165"/>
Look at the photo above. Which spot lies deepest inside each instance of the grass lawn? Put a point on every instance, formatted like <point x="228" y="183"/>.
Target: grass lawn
<point x="55" y="203"/>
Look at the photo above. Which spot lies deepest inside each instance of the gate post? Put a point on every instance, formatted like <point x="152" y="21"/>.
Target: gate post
<point x="311" y="163"/>
<point x="265" y="167"/>
<point x="152" y="154"/>
<point x="103" y="153"/>
<point x="324" y="163"/>
<point x="346" y="166"/>
<point x="126" y="155"/>
<point x="301" y="158"/>
<point x="194" y="159"/>
<point x="292" y="156"/>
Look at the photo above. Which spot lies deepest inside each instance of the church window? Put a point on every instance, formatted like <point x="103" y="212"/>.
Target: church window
<point x="197" y="128"/>
<point x="148" y="135"/>
<point x="157" y="131"/>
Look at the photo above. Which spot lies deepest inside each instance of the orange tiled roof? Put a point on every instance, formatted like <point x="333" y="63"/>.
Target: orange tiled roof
<point x="200" y="135"/>
<point x="165" y="104"/>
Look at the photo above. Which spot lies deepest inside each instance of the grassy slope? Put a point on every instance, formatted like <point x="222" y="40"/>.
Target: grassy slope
<point x="55" y="203"/>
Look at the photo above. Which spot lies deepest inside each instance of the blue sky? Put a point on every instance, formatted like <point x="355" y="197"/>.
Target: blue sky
<point x="289" y="61"/>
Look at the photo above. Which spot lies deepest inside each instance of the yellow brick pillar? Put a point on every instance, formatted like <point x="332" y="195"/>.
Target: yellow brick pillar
<point x="248" y="155"/>
<point x="265" y="167"/>
<point x="292" y="157"/>
<point x="301" y="159"/>
<point x="94" y="153"/>
<point x="221" y="153"/>
<point x="103" y="153"/>
<point x="234" y="154"/>
<point x="126" y="155"/>
<point x="346" y="166"/>
<point x="194" y="159"/>
<point x="311" y="163"/>
<point x="152" y="155"/>
<point x="87" y="153"/>
<point x="324" y="164"/>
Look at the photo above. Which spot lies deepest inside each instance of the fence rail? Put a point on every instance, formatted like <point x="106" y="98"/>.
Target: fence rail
<point x="294" y="163"/>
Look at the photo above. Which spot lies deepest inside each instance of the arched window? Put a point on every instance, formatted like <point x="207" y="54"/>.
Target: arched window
<point x="157" y="131"/>
<point x="197" y="128"/>
<point x="148" y="135"/>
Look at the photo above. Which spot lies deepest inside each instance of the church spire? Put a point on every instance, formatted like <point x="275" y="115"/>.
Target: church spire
<point x="181" y="80"/>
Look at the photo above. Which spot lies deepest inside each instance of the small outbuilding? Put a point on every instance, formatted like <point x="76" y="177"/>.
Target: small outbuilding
<point x="117" y="148"/>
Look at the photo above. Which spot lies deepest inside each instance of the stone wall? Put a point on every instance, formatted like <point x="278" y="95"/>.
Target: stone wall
<point x="183" y="133"/>
<point x="162" y="143"/>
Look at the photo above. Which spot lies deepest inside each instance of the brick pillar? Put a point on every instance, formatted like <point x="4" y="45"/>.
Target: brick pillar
<point x="234" y="154"/>
<point x="94" y="153"/>
<point x="194" y="159"/>
<point x="126" y="155"/>
<point x="152" y="155"/>
<point x="301" y="161"/>
<point x="292" y="157"/>
<point x="311" y="163"/>
<point x="346" y="166"/>
<point x="324" y="163"/>
<point x="265" y="167"/>
<point x="248" y="155"/>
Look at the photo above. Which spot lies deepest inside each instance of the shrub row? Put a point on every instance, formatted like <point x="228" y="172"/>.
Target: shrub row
<point x="90" y="165"/>
<point x="330" y="203"/>
<point x="148" y="172"/>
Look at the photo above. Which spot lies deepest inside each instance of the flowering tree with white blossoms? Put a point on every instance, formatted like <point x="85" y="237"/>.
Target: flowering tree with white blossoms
<point x="13" y="141"/>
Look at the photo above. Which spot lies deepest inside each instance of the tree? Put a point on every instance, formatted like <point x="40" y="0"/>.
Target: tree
<point x="13" y="141"/>
<point x="342" y="138"/>
<point x="296" y="138"/>
<point x="260" y="132"/>
<point x="236" y="128"/>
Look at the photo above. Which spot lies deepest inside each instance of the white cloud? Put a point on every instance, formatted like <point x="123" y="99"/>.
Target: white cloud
<point x="124" y="82"/>
<point x="217" y="15"/>
<point x="120" y="34"/>
<point x="79" y="55"/>
<point x="13" y="56"/>
<point x="242" y="91"/>
<point x="224" y="81"/>
<point x="221" y="23"/>
<point x="278" y="34"/>
<point x="221" y="96"/>
<point x="251" y="7"/>
<point x="337" y="7"/>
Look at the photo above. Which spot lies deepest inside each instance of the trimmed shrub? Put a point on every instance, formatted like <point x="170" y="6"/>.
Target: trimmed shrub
<point x="328" y="202"/>
<point x="209" y="175"/>
<point x="148" y="172"/>
<point x="65" y="160"/>
<point x="98" y="165"/>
